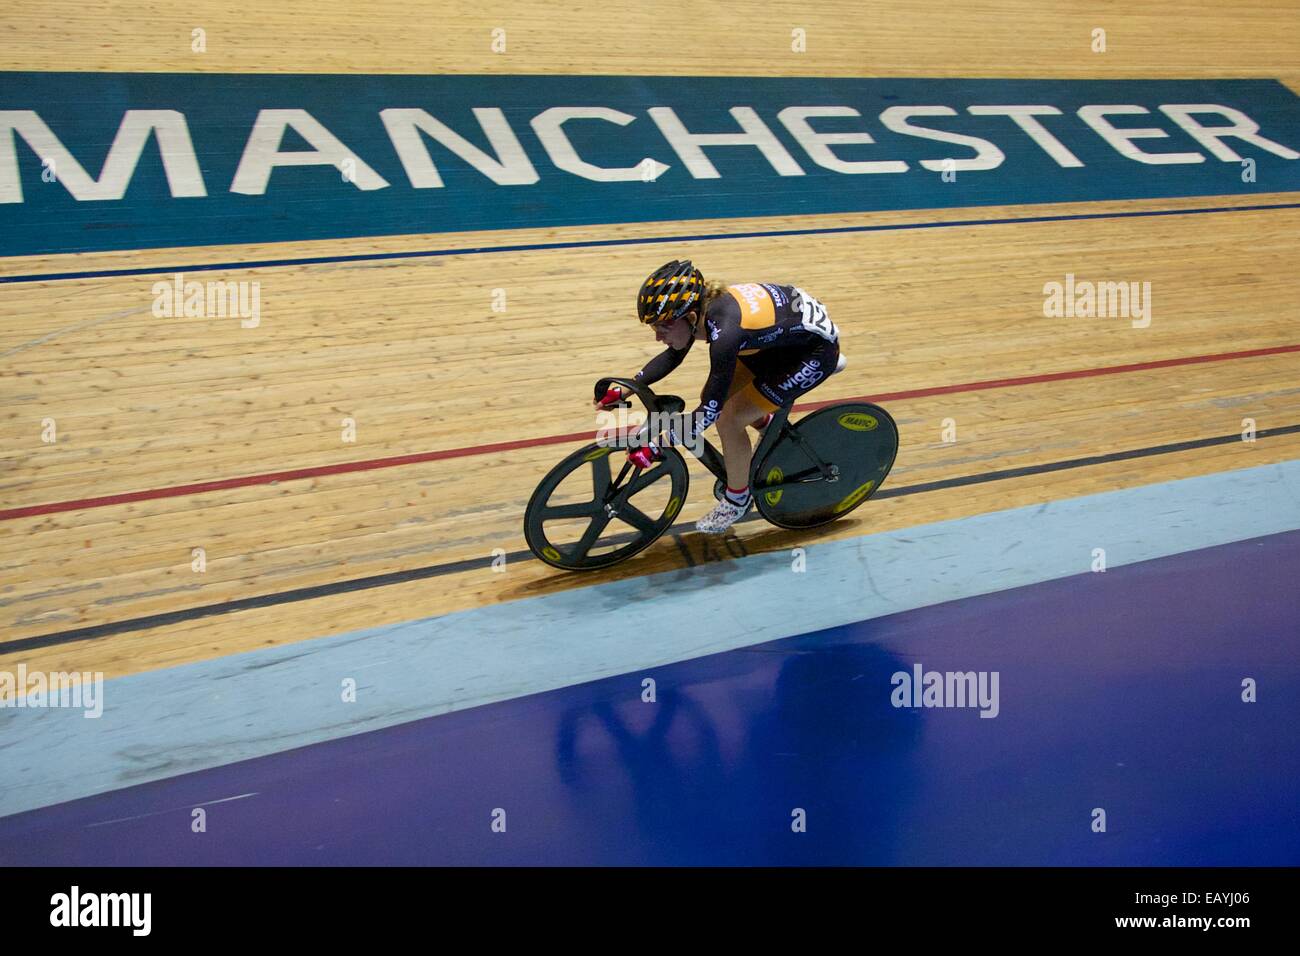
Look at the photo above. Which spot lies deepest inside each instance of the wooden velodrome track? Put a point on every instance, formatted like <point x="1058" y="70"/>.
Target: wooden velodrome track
<point x="925" y="314"/>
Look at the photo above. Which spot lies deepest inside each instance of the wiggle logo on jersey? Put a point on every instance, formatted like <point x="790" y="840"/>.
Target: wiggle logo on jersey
<point x="756" y="308"/>
<point x="708" y="414"/>
<point x="809" y="375"/>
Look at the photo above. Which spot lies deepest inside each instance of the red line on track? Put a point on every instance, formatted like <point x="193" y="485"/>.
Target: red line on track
<point x="376" y="463"/>
<point x="1058" y="376"/>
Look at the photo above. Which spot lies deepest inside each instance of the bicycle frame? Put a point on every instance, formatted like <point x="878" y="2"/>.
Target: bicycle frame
<point x="709" y="456"/>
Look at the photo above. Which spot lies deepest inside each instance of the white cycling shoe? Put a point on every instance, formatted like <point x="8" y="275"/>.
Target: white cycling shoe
<point x="722" y="517"/>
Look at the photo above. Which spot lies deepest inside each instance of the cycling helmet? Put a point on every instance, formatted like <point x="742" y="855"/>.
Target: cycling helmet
<point x="673" y="290"/>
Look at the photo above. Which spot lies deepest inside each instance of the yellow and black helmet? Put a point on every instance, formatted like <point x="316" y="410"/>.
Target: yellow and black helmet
<point x="672" y="290"/>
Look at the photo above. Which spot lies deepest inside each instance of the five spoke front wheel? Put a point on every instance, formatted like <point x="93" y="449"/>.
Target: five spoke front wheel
<point x="581" y="518"/>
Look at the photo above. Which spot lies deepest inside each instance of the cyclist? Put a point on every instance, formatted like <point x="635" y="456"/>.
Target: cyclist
<point x="768" y="346"/>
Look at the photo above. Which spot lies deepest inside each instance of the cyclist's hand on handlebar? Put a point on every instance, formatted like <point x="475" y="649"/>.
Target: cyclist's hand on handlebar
<point x="645" y="456"/>
<point x="612" y="396"/>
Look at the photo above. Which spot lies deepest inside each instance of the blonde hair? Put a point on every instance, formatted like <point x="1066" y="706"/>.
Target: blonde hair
<point x="712" y="289"/>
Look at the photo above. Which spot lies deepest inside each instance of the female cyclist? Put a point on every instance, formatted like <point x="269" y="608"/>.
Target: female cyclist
<point x="768" y="346"/>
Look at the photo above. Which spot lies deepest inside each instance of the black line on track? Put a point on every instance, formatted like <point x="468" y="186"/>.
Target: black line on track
<point x="469" y="564"/>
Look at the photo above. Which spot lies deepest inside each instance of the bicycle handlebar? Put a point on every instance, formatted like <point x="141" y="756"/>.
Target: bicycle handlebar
<point x="648" y="398"/>
<point x="655" y="404"/>
<point x="670" y="404"/>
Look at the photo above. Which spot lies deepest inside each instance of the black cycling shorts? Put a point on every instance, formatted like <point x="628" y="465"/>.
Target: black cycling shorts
<point x="782" y="376"/>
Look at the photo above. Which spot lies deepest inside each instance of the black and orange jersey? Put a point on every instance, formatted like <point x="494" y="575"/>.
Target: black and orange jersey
<point x="753" y="317"/>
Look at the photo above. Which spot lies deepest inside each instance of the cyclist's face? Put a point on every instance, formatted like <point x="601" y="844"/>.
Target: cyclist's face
<point x="675" y="334"/>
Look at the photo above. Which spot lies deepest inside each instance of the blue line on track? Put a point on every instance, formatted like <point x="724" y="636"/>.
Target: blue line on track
<point x="641" y="240"/>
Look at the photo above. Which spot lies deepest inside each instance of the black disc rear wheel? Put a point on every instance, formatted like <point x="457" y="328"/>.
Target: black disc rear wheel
<point x="859" y="439"/>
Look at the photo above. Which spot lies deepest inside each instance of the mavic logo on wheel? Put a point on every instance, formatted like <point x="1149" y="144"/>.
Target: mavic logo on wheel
<point x="857" y="496"/>
<point x="810" y="374"/>
<point x="857" y="421"/>
<point x="774" y="477"/>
